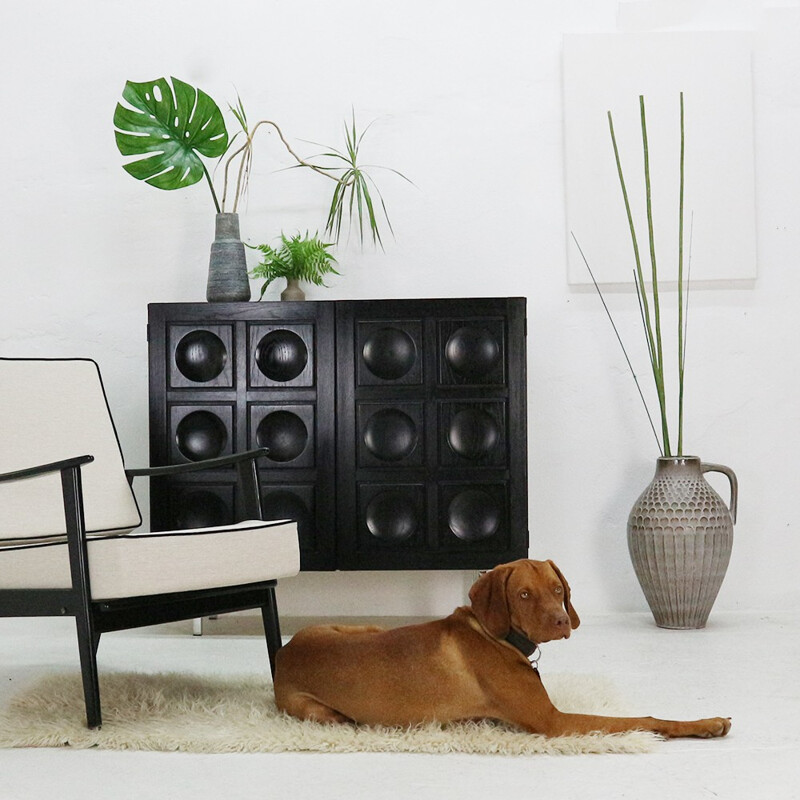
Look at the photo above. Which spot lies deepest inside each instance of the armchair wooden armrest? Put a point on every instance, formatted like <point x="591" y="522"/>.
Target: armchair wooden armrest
<point x="194" y="466"/>
<point x="43" y="469"/>
<point x="245" y="463"/>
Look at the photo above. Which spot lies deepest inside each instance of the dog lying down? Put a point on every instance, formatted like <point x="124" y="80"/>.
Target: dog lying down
<point x="470" y="665"/>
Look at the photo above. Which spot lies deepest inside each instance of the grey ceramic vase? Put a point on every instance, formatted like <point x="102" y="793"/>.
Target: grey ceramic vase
<point x="293" y="290"/>
<point x="227" y="267"/>
<point x="680" y="534"/>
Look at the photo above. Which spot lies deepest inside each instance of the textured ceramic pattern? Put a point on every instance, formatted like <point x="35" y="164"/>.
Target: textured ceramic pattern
<point x="227" y="267"/>
<point x="680" y="535"/>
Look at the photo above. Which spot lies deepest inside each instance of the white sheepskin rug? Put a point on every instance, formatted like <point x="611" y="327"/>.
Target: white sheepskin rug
<point x="199" y="714"/>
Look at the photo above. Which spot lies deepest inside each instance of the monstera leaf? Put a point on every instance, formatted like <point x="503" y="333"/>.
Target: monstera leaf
<point x="170" y="127"/>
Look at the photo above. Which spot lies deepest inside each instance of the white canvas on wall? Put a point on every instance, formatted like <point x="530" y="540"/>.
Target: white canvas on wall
<point x="608" y="72"/>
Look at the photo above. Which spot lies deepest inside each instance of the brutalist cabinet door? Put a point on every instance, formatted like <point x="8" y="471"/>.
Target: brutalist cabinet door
<point x="227" y="377"/>
<point x="431" y="435"/>
<point x="290" y="410"/>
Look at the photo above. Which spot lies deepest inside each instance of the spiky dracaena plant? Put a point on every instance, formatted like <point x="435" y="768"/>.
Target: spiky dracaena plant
<point x="352" y="179"/>
<point x="305" y="258"/>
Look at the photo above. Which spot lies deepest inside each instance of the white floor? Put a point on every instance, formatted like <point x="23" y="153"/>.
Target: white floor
<point x="743" y="665"/>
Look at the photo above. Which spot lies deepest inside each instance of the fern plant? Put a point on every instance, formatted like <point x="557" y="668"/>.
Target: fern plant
<point x="304" y="258"/>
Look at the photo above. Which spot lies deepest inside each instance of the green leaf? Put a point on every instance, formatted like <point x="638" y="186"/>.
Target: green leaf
<point x="168" y="127"/>
<point x="303" y="257"/>
<point x="352" y="192"/>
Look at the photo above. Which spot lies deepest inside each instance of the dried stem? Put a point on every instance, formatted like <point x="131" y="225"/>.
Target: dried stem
<point x="245" y="161"/>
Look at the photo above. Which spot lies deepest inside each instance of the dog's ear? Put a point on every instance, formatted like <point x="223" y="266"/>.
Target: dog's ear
<point x="573" y="617"/>
<point x="490" y="603"/>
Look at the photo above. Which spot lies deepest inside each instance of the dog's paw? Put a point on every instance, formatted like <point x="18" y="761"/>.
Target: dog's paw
<point x="713" y="727"/>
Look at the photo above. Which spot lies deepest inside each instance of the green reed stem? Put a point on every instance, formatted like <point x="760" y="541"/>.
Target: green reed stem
<point x="681" y="339"/>
<point x="653" y="342"/>
<point x="658" y="371"/>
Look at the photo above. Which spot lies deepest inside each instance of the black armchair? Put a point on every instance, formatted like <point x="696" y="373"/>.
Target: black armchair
<point x="68" y="544"/>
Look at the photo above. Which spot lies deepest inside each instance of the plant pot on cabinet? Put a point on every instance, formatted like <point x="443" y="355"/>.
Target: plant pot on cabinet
<point x="680" y="535"/>
<point x="227" y="266"/>
<point x="293" y="291"/>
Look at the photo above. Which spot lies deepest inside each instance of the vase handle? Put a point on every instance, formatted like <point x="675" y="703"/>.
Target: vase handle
<point x="731" y="476"/>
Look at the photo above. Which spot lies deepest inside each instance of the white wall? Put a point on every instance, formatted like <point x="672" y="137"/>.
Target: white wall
<point x="467" y="98"/>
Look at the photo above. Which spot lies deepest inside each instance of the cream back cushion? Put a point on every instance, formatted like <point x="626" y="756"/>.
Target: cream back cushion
<point x="52" y="410"/>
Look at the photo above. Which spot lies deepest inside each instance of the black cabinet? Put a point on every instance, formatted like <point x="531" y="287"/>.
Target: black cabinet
<point x="396" y="428"/>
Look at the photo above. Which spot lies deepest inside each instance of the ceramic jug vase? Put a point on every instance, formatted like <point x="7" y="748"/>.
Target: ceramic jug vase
<point x="680" y="534"/>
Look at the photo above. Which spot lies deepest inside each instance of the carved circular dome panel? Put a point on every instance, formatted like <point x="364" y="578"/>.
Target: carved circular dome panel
<point x="284" y="434"/>
<point x="472" y="352"/>
<point x="200" y="435"/>
<point x="201" y="356"/>
<point x="390" y="435"/>
<point x="283" y="504"/>
<point x="391" y="516"/>
<point x="202" y="509"/>
<point x="389" y="353"/>
<point x="281" y="355"/>
<point x="473" y="515"/>
<point x="473" y="433"/>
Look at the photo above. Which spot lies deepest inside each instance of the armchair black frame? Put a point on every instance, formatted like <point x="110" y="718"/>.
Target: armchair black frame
<point x="94" y="618"/>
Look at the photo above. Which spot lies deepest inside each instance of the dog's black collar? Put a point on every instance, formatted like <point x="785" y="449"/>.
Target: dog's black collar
<point x="522" y="643"/>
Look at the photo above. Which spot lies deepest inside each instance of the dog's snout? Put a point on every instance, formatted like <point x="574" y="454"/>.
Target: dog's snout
<point x="562" y="625"/>
<point x="562" y="621"/>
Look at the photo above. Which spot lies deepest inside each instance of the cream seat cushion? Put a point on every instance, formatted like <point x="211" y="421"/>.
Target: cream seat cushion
<point x="157" y="563"/>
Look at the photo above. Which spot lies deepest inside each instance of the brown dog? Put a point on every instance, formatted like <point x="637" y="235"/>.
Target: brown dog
<point x="469" y="665"/>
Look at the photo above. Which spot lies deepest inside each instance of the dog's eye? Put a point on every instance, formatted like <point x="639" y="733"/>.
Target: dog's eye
<point x="524" y="595"/>
<point x="559" y="590"/>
